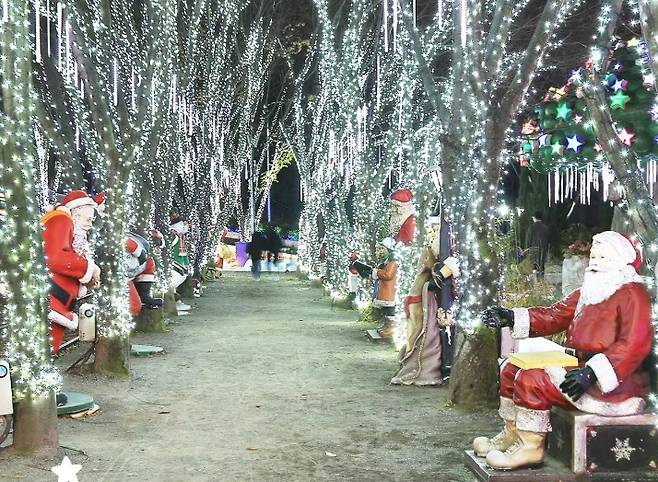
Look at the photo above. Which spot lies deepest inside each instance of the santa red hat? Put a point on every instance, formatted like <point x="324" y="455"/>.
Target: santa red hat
<point x="620" y="247"/>
<point x="402" y="197"/>
<point x="76" y="199"/>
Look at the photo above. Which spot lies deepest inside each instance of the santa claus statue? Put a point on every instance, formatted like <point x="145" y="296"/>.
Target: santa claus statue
<point x="402" y="220"/>
<point x="69" y="260"/>
<point x="140" y="269"/>
<point x="608" y="328"/>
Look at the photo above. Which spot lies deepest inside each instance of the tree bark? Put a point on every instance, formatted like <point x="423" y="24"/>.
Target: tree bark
<point x="112" y="357"/>
<point x="35" y="426"/>
<point x="150" y="321"/>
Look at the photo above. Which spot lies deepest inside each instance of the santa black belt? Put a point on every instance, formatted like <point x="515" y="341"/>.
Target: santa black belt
<point x="60" y="294"/>
<point x="581" y="355"/>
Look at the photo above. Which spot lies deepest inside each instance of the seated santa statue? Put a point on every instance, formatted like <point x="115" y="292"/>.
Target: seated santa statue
<point x="140" y="269"/>
<point x="71" y="268"/>
<point x="608" y="327"/>
<point x="402" y="217"/>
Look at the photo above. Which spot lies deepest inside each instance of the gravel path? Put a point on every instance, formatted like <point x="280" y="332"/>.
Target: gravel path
<point x="263" y="381"/>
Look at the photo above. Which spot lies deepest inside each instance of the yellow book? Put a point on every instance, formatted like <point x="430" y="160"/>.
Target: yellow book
<point x="542" y="359"/>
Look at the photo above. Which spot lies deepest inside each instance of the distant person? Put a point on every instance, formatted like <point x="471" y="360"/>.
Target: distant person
<point x="274" y="245"/>
<point x="255" y="250"/>
<point x="536" y="241"/>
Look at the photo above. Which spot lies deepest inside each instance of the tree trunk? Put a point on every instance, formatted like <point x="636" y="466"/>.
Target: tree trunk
<point x="186" y="289"/>
<point x="112" y="357"/>
<point x="35" y="426"/>
<point x="21" y="247"/>
<point x="473" y="379"/>
<point x="169" y="303"/>
<point x="150" y="321"/>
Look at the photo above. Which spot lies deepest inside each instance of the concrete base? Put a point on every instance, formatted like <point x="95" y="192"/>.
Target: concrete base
<point x="552" y="471"/>
<point x="373" y="335"/>
<point x="145" y="350"/>
<point x="77" y="402"/>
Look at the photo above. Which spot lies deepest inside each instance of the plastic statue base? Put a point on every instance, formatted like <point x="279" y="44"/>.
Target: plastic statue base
<point x="373" y="335"/>
<point x="76" y="402"/>
<point x="145" y="350"/>
<point x="552" y="471"/>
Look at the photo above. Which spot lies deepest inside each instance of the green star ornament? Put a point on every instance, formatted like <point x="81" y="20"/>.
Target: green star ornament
<point x="619" y="100"/>
<point x="563" y="111"/>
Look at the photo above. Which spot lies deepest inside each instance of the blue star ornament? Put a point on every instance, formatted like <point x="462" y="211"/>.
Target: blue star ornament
<point x="575" y="143"/>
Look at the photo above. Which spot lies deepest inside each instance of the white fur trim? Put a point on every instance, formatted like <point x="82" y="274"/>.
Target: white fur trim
<point x="81" y="201"/>
<point x="507" y="409"/>
<point x="89" y="273"/>
<point x="533" y="420"/>
<point x="605" y="373"/>
<point x="590" y="404"/>
<point x="400" y="203"/>
<point x="382" y="303"/>
<point x="374" y="275"/>
<point x="521" y="327"/>
<point x="145" y="278"/>
<point x="63" y="320"/>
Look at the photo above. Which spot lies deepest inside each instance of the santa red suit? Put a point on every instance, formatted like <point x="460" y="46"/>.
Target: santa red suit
<point x="402" y="223"/>
<point x="608" y="326"/>
<point x="69" y="271"/>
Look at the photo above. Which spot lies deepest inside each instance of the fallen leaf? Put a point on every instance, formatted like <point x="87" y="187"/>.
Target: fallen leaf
<point x="251" y="449"/>
<point x="164" y="413"/>
<point x="329" y="454"/>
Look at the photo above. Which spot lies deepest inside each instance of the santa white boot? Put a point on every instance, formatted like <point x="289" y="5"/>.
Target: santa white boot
<point x="529" y="450"/>
<point x="506" y="438"/>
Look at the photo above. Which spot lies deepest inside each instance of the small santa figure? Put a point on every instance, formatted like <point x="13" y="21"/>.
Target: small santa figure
<point x="140" y="269"/>
<point x="402" y="220"/>
<point x="608" y="328"/>
<point x="69" y="260"/>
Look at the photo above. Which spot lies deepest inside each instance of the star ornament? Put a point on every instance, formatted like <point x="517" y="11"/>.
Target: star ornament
<point x="575" y="143"/>
<point x="576" y="76"/>
<point x="620" y="85"/>
<point x="66" y="471"/>
<point x="557" y="148"/>
<point x="626" y="137"/>
<point x="648" y="80"/>
<point x="563" y="111"/>
<point x="619" y="100"/>
<point x="634" y="42"/>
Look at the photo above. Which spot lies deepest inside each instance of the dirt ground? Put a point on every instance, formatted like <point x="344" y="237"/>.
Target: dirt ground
<point x="263" y="381"/>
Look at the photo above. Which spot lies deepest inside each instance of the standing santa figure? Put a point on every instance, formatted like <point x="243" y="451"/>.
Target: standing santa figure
<point x="608" y="328"/>
<point x="71" y="268"/>
<point x="402" y="217"/>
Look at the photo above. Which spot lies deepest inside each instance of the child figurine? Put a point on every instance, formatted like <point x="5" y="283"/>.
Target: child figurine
<point x="385" y="277"/>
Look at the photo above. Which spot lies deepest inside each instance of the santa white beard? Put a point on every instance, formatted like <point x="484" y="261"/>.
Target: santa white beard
<point x="398" y="219"/>
<point x="599" y="285"/>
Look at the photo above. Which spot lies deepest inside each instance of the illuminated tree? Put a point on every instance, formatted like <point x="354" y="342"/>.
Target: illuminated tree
<point x="21" y="253"/>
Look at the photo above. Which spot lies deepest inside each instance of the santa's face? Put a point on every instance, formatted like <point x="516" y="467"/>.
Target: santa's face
<point x="599" y="258"/>
<point x="83" y="217"/>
